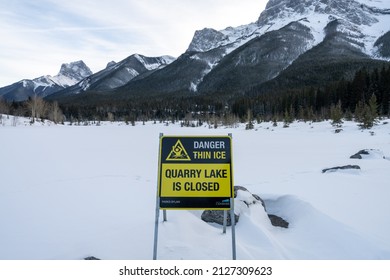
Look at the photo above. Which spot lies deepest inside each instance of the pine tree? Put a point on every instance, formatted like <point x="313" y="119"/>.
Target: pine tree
<point x="369" y="113"/>
<point x="366" y="120"/>
<point x="336" y="114"/>
<point x="373" y="105"/>
<point x="4" y="107"/>
<point x="359" y="111"/>
<point x="288" y="117"/>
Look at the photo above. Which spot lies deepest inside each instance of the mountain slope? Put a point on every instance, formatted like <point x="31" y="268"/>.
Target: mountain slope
<point x="117" y="74"/>
<point x="43" y="86"/>
<point x="259" y="60"/>
<point x="336" y="57"/>
<point x="181" y="76"/>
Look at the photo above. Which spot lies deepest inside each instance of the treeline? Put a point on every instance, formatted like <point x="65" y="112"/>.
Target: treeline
<point x="363" y="98"/>
<point x="310" y="103"/>
<point x="187" y="109"/>
<point x="368" y="93"/>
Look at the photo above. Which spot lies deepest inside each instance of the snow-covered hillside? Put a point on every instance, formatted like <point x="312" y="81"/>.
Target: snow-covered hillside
<point x="68" y="192"/>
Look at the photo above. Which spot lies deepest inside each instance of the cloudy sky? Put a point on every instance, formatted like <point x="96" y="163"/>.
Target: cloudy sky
<point x="38" y="36"/>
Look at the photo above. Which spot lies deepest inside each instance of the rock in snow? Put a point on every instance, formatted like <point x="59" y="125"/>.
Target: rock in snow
<point x="241" y="194"/>
<point x="368" y="153"/>
<point x="344" y="167"/>
<point x="277" y="221"/>
<point x="91" y="258"/>
<point x="216" y="216"/>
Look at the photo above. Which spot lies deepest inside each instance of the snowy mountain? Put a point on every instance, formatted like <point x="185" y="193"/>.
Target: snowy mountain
<point x="347" y="34"/>
<point x="360" y="20"/>
<point x="358" y="24"/>
<point x="117" y="74"/>
<point x="69" y="74"/>
<point x="293" y="43"/>
<point x="72" y="73"/>
<point x="364" y="20"/>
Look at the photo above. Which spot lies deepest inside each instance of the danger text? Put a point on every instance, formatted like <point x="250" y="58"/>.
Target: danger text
<point x="207" y="145"/>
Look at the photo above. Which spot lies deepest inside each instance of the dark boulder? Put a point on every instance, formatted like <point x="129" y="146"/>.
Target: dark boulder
<point x="368" y="152"/>
<point x="345" y="167"/>
<point x="91" y="258"/>
<point x="216" y="216"/>
<point x="277" y="221"/>
<point x="359" y="154"/>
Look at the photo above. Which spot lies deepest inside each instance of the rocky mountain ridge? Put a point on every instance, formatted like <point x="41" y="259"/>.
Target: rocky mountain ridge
<point x="235" y="60"/>
<point x="117" y="74"/>
<point x="69" y="74"/>
<point x="291" y="42"/>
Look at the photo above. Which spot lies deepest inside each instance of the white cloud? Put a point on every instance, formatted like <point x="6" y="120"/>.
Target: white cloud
<point x="38" y="36"/>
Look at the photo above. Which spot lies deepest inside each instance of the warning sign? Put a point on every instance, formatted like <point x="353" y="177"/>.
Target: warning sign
<point x="195" y="172"/>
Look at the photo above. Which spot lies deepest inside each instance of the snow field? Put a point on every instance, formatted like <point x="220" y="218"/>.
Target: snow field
<point x="68" y="192"/>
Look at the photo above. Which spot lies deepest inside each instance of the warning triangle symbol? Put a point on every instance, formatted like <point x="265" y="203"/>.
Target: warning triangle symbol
<point x="178" y="152"/>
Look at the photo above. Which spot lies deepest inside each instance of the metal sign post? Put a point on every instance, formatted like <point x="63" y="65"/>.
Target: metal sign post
<point x="156" y="229"/>
<point x="195" y="172"/>
<point x="157" y="216"/>
<point x="233" y="221"/>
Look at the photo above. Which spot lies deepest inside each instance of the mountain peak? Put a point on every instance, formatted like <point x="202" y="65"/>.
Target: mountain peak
<point x="71" y="73"/>
<point x="206" y="39"/>
<point x="117" y="74"/>
<point x="75" y="70"/>
<point x="111" y="64"/>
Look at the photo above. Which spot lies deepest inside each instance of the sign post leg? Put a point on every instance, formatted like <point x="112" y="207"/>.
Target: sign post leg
<point x="233" y="221"/>
<point x="156" y="228"/>
<point x="157" y="217"/>
<point x="224" y="221"/>
<point x="164" y="215"/>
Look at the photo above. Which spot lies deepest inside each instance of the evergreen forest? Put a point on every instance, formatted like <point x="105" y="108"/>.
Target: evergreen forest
<point x="364" y="98"/>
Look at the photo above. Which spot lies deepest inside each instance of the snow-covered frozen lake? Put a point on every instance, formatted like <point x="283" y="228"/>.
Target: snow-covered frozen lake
<point x="68" y="192"/>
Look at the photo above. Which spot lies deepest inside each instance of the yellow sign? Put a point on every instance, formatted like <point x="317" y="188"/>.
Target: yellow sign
<point x="195" y="172"/>
<point x="202" y="180"/>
